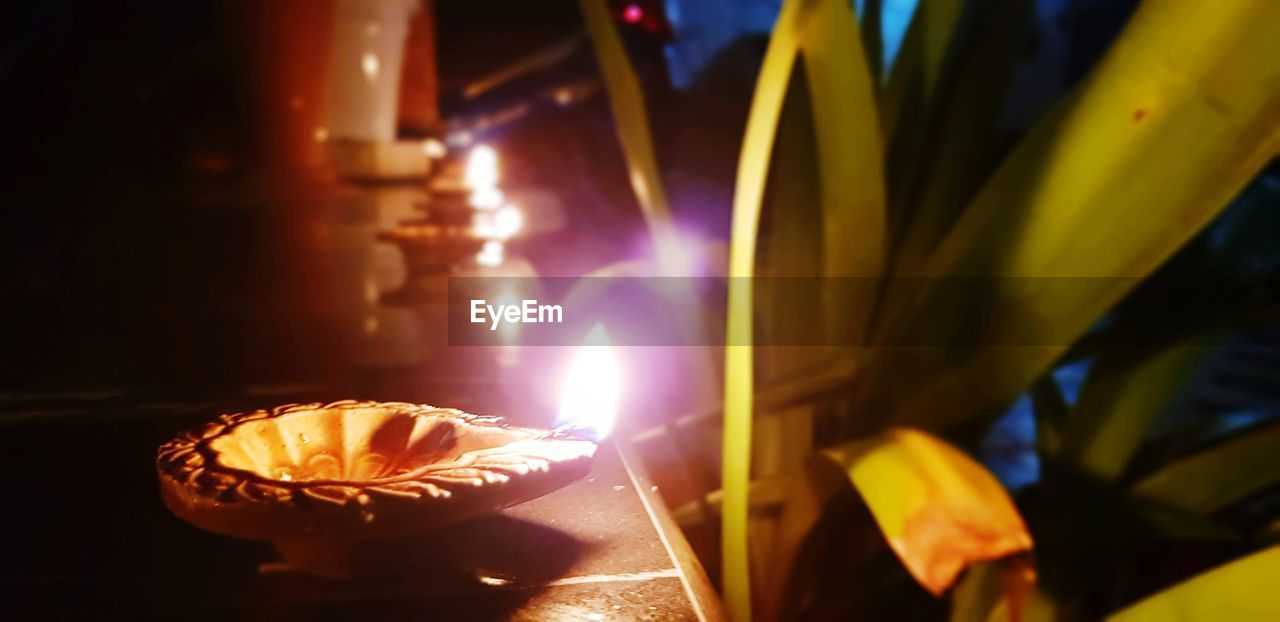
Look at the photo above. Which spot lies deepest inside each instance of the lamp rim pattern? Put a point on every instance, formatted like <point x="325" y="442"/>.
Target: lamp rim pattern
<point x="203" y="486"/>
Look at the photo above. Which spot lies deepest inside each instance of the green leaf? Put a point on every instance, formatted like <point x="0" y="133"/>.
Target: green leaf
<point x="1050" y="409"/>
<point x="739" y="381"/>
<point x="872" y="23"/>
<point x="958" y="141"/>
<point x="1240" y="590"/>
<point x="852" y="205"/>
<point x="850" y="155"/>
<point x="1217" y="477"/>
<point x="1124" y="395"/>
<point x="914" y="76"/>
<point x="1169" y="126"/>
<point x="791" y="220"/>
<point x="631" y="122"/>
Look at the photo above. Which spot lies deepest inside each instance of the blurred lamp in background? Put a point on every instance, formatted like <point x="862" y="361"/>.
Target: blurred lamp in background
<point x="482" y="168"/>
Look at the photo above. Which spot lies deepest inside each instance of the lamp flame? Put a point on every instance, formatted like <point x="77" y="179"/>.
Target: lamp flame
<point x="434" y="149"/>
<point x="507" y="221"/>
<point x="482" y="167"/>
<point x="492" y="254"/>
<point x="486" y="198"/>
<point x="589" y="395"/>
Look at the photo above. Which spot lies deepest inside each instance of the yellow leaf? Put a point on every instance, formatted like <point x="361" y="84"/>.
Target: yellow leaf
<point x="853" y="204"/>
<point x="739" y="381"/>
<point x="939" y="510"/>
<point x="1241" y="590"/>
<point x="850" y="156"/>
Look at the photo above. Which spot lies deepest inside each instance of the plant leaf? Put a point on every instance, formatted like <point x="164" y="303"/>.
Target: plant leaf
<point x="939" y="510"/>
<point x="631" y="122"/>
<point x="1177" y="117"/>
<point x="791" y="220"/>
<point x="958" y="141"/>
<point x="1050" y="410"/>
<point x="872" y="24"/>
<point x="1240" y="590"/>
<point x="852" y="197"/>
<point x="1219" y="476"/>
<point x="915" y="73"/>
<point x="850" y="156"/>
<point x="998" y="591"/>
<point x="739" y="382"/>
<point x="1123" y="397"/>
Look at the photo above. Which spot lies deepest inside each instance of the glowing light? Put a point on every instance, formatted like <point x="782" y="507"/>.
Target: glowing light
<point x="486" y="198"/>
<point x="491" y="254"/>
<point x="321" y="134"/>
<point x="507" y="221"/>
<point x="592" y="387"/>
<point x="459" y="138"/>
<point x="434" y="149"/>
<point x="482" y="167"/>
<point x="370" y="64"/>
<point x="633" y="14"/>
<point x="497" y="225"/>
<point x="482" y="225"/>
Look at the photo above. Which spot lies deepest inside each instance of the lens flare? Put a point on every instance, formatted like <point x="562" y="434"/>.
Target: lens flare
<point x="491" y="255"/>
<point x="507" y="221"/>
<point x="592" y="387"/>
<point x="482" y="167"/>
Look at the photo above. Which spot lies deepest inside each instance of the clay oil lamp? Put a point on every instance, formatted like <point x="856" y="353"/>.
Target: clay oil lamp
<point x="473" y="184"/>
<point x="456" y="200"/>
<point x="433" y="247"/>
<point x="459" y="221"/>
<point x="328" y="484"/>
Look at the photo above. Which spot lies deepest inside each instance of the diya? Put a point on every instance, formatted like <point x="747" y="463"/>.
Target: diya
<point x="323" y="481"/>
<point x="430" y="247"/>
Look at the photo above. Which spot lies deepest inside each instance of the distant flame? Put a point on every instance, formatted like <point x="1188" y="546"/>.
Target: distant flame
<point x="486" y="198"/>
<point x="507" y="221"/>
<point x="591" y="389"/>
<point x="482" y="167"/>
<point x="434" y="149"/>
<point x="492" y="254"/>
<point x="370" y="65"/>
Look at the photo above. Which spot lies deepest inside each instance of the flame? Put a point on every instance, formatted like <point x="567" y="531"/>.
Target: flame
<point x="507" y="221"/>
<point x="482" y="167"/>
<point x="492" y="254"/>
<point x="486" y="198"/>
<point x="370" y="64"/>
<point x="590" y="393"/>
<point x="434" y="149"/>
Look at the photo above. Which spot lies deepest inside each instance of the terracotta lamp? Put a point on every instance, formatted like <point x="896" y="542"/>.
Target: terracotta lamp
<point x="330" y="483"/>
<point x="431" y="248"/>
<point x="321" y="481"/>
